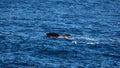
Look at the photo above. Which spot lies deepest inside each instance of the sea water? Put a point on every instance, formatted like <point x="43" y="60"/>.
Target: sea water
<point x="94" y="26"/>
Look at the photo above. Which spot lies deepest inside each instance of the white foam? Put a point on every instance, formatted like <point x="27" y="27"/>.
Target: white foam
<point x="62" y="37"/>
<point x="83" y="37"/>
<point x="90" y="43"/>
<point x="86" y="38"/>
<point x="74" y="42"/>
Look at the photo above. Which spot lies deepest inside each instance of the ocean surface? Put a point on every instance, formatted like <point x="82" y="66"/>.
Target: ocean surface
<point x="93" y="24"/>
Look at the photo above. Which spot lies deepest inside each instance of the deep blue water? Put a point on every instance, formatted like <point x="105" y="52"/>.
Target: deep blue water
<point x="93" y="24"/>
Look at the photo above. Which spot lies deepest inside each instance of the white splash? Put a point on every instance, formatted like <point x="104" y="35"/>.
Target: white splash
<point x="74" y="42"/>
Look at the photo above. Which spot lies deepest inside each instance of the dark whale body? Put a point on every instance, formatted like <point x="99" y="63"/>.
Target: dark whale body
<point x="52" y="34"/>
<point x="56" y="35"/>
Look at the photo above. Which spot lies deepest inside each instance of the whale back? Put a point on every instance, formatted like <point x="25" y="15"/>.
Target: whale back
<point x="52" y="34"/>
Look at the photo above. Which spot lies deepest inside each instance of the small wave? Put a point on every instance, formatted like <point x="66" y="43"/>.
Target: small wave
<point x="111" y="55"/>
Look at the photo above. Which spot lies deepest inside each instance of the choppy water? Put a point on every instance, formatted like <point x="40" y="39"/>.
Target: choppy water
<point x="93" y="24"/>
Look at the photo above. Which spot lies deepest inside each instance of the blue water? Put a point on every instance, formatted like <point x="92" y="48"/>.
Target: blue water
<point x="93" y="24"/>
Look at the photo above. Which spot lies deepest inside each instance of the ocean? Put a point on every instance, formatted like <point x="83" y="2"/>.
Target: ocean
<point x="93" y="24"/>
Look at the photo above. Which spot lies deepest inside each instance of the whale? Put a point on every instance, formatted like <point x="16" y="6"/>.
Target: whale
<point x="56" y="35"/>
